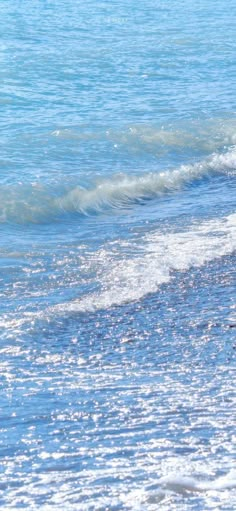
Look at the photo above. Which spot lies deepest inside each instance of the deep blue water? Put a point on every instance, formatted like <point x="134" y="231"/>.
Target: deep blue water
<point x="117" y="255"/>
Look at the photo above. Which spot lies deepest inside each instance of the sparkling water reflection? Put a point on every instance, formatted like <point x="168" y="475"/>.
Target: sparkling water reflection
<point x="117" y="256"/>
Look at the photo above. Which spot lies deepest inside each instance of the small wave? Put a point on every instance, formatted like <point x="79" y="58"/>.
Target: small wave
<point x="130" y="279"/>
<point x="167" y="487"/>
<point x="204" y="136"/>
<point x="36" y="204"/>
<point x="123" y="191"/>
<point x="158" y="141"/>
<point x="183" y="484"/>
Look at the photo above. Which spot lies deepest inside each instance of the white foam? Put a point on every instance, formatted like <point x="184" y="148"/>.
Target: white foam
<point x="122" y="191"/>
<point x="35" y="203"/>
<point x="124" y="279"/>
<point x="129" y="279"/>
<point x="182" y="484"/>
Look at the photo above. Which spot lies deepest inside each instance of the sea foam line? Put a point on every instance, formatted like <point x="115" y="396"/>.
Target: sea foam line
<point x="126" y="279"/>
<point x="130" y="279"/>
<point x="35" y="203"/>
<point x="122" y="191"/>
<point x="182" y="484"/>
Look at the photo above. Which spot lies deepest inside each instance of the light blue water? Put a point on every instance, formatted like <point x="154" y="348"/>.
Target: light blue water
<point x="117" y="255"/>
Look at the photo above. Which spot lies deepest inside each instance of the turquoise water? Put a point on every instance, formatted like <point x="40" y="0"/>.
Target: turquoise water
<point x="117" y="255"/>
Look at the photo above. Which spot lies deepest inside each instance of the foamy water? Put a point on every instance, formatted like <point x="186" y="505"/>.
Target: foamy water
<point x="117" y="256"/>
<point x="162" y="255"/>
<point x="35" y="204"/>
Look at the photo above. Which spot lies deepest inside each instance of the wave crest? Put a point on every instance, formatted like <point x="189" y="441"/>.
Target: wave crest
<point x="37" y="204"/>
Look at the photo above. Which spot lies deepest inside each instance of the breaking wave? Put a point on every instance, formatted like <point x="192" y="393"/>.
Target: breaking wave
<point x="37" y="204"/>
<point x="182" y="484"/>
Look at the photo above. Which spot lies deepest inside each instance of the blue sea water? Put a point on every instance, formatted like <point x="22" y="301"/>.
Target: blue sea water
<point x="117" y="255"/>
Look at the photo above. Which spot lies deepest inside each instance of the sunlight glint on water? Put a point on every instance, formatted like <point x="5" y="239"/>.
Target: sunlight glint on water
<point x="117" y="276"/>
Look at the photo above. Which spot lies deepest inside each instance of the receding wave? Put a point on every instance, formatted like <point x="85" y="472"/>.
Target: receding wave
<point x="129" y="279"/>
<point x="36" y="204"/>
<point x="182" y="483"/>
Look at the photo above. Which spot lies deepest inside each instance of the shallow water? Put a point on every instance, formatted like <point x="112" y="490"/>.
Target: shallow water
<point x="117" y="256"/>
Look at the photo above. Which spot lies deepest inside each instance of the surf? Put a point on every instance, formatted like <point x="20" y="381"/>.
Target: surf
<point x="131" y="278"/>
<point x="38" y="203"/>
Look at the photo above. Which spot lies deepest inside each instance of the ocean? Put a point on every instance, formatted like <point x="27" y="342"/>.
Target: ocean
<point x="117" y="255"/>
